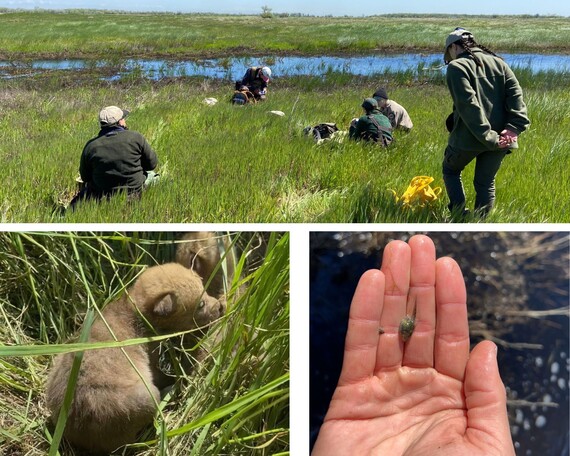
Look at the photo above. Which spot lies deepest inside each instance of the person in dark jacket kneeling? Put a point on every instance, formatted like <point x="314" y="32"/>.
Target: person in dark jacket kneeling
<point x="372" y="126"/>
<point x="255" y="81"/>
<point x="118" y="159"/>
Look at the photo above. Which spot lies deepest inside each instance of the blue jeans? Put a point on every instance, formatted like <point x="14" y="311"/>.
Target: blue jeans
<point x="486" y="167"/>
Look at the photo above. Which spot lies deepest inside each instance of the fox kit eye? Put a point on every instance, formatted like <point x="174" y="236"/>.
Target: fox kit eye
<point x="202" y="304"/>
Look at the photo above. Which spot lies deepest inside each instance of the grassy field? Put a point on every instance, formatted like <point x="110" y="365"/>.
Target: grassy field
<point x="225" y="163"/>
<point x="231" y="164"/>
<point x="235" y="403"/>
<point x="91" y="34"/>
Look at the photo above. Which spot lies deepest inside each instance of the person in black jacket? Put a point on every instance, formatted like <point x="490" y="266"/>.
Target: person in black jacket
<point x="255" y="81"/>
<point x="117" y="159"/>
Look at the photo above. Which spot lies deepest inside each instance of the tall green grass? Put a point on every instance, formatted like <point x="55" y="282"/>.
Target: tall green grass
<point x="97" y="34"/>
<point x="225" y="163"/>
<point x="236" y="402"/>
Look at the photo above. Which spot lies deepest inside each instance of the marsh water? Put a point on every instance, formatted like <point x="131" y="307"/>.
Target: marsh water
<point x="506" y="275"/>
<point x="233" y="67"/>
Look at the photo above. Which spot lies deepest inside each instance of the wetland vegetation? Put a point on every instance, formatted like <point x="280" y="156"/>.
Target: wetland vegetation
<point x="224" y="163"/>
<point x="97" y="34"/>
<point x="234" y="402"/>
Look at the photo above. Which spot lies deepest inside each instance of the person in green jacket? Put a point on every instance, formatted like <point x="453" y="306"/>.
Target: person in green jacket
<point x="372" y="126"/>
<point x="117" y="159"/>
<point x="488" y="115"/>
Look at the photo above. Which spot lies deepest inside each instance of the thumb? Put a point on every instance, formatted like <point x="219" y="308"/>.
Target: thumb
<point x="486" y="400"/>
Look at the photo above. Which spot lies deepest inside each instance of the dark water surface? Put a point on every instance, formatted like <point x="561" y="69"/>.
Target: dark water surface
<point x="504" y="273"/>
<point x="233" y="68"/>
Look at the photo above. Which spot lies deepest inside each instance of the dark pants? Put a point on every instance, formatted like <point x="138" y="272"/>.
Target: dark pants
<point x="88" y="194"/>
<point x="486" y="166"/>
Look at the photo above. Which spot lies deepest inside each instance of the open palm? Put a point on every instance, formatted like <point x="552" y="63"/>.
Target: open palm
<point x="425" y="396"/>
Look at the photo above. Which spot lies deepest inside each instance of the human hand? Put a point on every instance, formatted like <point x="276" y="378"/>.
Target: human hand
<point x="506" y="138"/>
<point x="425" y="396"/>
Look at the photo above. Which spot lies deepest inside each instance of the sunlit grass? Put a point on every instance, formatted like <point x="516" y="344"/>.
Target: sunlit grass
<point x="93" y="34"/>
<point x="225" y="163"/>
<point x="237" y="400"/>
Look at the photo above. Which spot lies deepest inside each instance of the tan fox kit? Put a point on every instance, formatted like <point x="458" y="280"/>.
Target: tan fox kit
<point x="112" y="402"/>
<point x="200" y="251"/>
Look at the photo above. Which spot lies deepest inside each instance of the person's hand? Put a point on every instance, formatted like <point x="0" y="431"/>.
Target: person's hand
<point x="427" y="396"/>
<point x="507" y="138"/>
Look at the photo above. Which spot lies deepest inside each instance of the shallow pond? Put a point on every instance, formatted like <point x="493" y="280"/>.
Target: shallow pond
<point x="233" y="68"/>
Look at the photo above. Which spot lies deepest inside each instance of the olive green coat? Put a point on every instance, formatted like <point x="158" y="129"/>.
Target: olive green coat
<point x="367" y="130"/>
<point x="486" y="100"/>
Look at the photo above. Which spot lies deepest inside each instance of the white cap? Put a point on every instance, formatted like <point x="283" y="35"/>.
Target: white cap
<point x="111" y="115"/>
<point x="265" y="73"/>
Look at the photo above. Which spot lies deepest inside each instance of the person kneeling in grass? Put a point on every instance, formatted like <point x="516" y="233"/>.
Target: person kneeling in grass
<point x="117" y="159"/>
<point x="372" y="126"/>
<point x="255" y="81"/>
<point x="396" y="113"/>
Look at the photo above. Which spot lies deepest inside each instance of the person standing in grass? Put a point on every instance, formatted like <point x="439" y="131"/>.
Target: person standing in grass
<point x="372" y="126"/>
<point x="396" y="113"/>
<point x="488" y="115"/>
<point x="255" y="81"/>
<point x="116" y="159"/>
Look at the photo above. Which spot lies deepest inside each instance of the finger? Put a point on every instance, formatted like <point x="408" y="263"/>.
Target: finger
<point x="485" y="398"/>
<point x="451" y="331"/>
<point x="362" y="335"/>
<point x="418" y="350"/>
<point x="396" y="268"/>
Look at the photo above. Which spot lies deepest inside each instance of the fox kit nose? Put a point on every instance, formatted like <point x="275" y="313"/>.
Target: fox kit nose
<point x="221" y="306"/>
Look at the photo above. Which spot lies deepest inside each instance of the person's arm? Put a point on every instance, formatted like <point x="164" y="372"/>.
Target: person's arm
<point x="517" y="118"/>
<point x="468" y="107"/>
<point x="149" y="159"/>
<point x="85" y="169"/>
<point x="359" y="130"/>
<point x="406" y="122"/>
<point x="352" y="129"/>
<point x="247" y="78"/>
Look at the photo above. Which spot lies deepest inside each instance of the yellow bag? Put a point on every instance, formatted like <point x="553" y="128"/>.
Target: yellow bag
<point x="419" y="193"/>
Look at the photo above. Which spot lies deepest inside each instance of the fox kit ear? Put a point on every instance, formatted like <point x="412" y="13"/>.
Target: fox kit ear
<point x="164" y="306"/>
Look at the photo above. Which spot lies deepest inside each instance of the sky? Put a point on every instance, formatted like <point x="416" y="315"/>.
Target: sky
<point x="314" y="7"/>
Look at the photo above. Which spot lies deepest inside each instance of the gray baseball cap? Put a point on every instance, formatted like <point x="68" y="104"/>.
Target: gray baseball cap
<point x="111" y="115"/>
<point x="457" y="35"/>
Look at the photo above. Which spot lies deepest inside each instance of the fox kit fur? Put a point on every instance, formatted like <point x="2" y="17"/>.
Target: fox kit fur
<point x="201" y="251"/>
<point x="112" y="402"/>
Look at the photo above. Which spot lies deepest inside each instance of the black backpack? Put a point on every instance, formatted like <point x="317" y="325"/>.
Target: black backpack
<point x="321" y="131"/>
